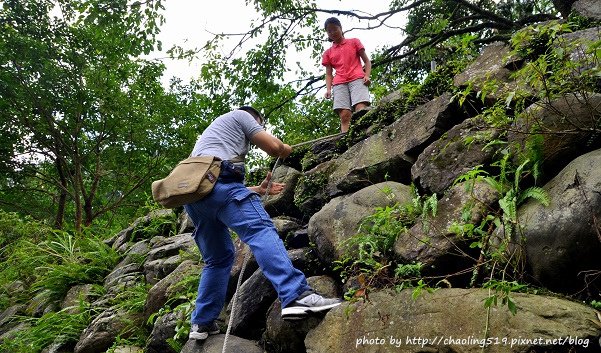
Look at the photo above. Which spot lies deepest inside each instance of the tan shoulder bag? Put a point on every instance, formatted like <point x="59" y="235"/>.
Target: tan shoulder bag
<point x="191" y="180"/>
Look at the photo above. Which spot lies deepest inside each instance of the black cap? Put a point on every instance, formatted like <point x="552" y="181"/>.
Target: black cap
<point x="253" y="111"/>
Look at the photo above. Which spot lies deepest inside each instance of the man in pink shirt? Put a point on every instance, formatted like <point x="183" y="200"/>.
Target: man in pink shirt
<point x="350" y="82"/>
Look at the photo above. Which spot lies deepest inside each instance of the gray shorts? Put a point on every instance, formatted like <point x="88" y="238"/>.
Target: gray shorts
<point x="347" y="95"/>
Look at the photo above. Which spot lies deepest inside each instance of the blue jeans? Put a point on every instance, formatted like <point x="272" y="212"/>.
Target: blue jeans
<point x="232" y="205"/>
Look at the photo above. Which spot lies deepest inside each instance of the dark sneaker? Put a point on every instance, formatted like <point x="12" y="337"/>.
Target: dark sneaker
<point x="308" y="302"/>
<point x="201" y="332"/>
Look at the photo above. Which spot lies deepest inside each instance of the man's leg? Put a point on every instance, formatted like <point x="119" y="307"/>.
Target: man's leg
<point x="345" y="119"/>
<point x="342" y="105"/>
<point x="213" y="240"/>
<point x="247" y="217"/>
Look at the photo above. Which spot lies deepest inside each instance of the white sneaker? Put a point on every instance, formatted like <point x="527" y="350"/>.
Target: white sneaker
<point x="201" y="332"/>
<point x="308" y="302"/>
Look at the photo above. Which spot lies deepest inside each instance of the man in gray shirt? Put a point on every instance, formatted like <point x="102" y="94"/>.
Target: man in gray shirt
<point x="235" y="206"/>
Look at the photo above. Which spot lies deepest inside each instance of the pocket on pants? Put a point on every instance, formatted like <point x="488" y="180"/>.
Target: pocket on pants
<point x="249" y="205"/>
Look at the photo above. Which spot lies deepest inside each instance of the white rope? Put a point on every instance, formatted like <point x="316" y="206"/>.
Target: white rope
<point x="246" y="258"/>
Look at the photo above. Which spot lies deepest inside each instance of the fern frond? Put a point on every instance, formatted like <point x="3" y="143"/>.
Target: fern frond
<point x="536" y="193"/>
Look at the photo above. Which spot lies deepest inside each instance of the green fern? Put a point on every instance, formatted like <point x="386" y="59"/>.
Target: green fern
<point x="536" y="193"/>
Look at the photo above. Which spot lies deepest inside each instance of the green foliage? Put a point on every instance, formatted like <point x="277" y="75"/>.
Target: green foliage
<point x="502" y="292"/>
<point x="89" y="120"/>
<point x="164" y="225"/>
<point x="132" y="298"/>
<point x="67" y="260"/>
<point x="369" y="256"/>
<point x="64" y="326"/>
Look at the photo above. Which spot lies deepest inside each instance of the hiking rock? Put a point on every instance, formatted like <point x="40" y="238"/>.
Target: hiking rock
<point x="102" y="332"/>
<point x="340" y="218"/>
<point x="163" y="329"/>
<point x="132" y="234"/>
<point x="398" y="320"/>
<point x="285" y="336"/>
<point x="311" y="193"/>
<point x="214" y="344"/>
<point x="493" y="65"/>
<point x="454" y="154"/>
<point x="254" y="298"/>
<point x="563" y="241"/>
<point x="559" y="130"/>
<point x="167" y="287"/>
<point x="283" y="203"/>
<point x="389" y="154"/>
<point x="588" y="8"/>
<point x="164" y="257"/>
<point x="75" y="295"/>
<point x="286" y="226"/>
<point x="433" y="241"/>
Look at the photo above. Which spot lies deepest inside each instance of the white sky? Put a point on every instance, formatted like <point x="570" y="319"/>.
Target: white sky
<point x="189" y="23"/>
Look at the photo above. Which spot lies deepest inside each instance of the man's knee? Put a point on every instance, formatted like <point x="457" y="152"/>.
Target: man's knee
<point x="225" y="259"/>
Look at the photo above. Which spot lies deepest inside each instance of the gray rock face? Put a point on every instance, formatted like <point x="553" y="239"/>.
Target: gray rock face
<point x="493" y="64"/>
<point x="394" y="322"/>
<point x="560" y="130"/>
<point x="286" y="226"/>
<point x="311" y="193"/>
<point x="563" y="241"/>
<point x="284" y="336"/>
<point x="432" y="242"/>
<point x="454" y="154"/>
<point x="254" y="298"/>
<point x="7" y="316"/>
<point x="165" y="288"/>
<point x="127" y="235"/>
<point x="214" y="344"/>
<point x="389" y="154"/>
<point x="102" y="332"/>
<point x="75" y="295"/>
<point x="283" y="203"/>
<point x="165" y="256"/>
<point x="588" y="8"/>
<point x="163" y="329"/>
<point x="580" y="46"/>
<point x="340" y="218"/>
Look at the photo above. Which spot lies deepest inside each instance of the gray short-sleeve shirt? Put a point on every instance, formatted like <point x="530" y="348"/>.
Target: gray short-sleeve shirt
<point x="227" y="136"/>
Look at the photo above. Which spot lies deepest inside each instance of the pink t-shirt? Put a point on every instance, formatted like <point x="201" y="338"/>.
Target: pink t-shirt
<point x="345" y="59"/>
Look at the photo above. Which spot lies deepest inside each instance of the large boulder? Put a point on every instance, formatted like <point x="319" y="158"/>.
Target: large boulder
<point x="454" y="320"/>
<point x="389" y="154"/>
<point x="558" y="130"/>
<point x="214" y="344"/>
<point x="75" y="295"/>
<point x="494" y="66"/>
<point x="588" y="8"/>
<point x="135" y="232"/>
<point x="105" y="328"/>
<point x="311" y="193"/>
<point x="434" y="241"/>
<point x="283" y="203"/>
<point x="339" y="220"/>
<point x="254" y="298"/>
<point x="162" y="331"/>
<point x="285" y="336"/>
<point x="167" y="287"/>
<point x="165" y="256"/>
<point x="581" y="47"/>
<point x="454" y="154"/>
<point x="563" y="240"/>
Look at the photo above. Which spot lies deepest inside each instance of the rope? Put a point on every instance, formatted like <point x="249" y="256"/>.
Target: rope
<point x="318" y="139"/>
<point x="244" y="263"/>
